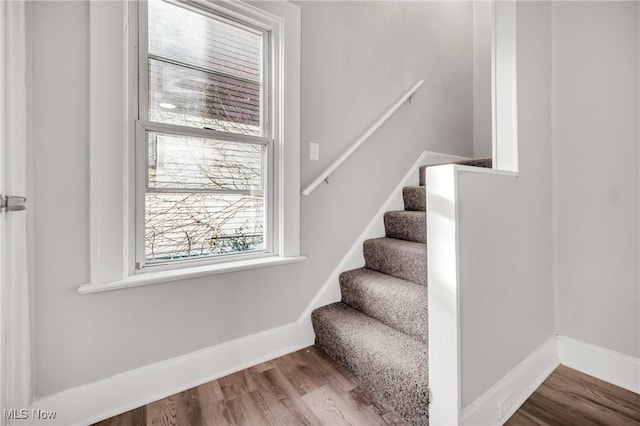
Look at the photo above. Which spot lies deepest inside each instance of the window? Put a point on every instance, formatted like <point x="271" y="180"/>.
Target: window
<point x="194" y="139"/>
<point x="205" y="135"/>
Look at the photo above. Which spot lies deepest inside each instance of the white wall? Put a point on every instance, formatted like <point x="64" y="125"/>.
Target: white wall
<point x="358" y="57"/>
<point x="505" y="230"/>
<point x="482" y="30"/>
<point x="596" y="135"/>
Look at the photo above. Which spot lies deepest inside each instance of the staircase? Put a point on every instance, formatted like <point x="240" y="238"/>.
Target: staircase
<point x="379" y="330"/>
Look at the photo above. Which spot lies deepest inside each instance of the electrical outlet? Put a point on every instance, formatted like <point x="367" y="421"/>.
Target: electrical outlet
<point x="504" y="405"/>
<point x="314" y="151"/>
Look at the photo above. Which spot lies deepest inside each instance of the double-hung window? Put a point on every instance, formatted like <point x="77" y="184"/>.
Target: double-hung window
<point x="204" y="136"/>
<point x="194" y="139"/>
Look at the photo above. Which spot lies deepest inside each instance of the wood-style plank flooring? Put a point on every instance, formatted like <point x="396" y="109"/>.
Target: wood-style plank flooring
<point x="308" y="388"/>
<point x="568" y="397"/>
<point x="302" y="388"/>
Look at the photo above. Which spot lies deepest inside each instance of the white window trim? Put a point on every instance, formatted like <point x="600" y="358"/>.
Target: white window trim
<point x="113" y="105"/>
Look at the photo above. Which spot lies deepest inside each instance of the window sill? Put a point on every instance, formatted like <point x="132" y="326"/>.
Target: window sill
<point x="158" y="277"/>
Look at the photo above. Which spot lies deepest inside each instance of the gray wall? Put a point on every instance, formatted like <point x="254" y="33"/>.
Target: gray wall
<point x="596" y="173"/>
<point x="505" y="228"/>
<point x="482" y="33"/>
<point x="566" y="241"/>
<point x="357" y="59"/>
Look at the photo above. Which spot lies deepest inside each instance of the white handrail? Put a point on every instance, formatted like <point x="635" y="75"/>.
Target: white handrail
<point x="361" y="140"/>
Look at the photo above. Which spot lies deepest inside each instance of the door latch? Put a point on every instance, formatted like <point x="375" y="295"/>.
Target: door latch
<point x="11" y="203"/>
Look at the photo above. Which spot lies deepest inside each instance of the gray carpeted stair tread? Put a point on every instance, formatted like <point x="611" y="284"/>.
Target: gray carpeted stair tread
<point x="415" y="198"/>
<point x="391" y="363"/>
<point x="475" y="162"/>
<point x="398" y="258"/>
<point x="406" y="225"/>
<point x="395" y="302"/>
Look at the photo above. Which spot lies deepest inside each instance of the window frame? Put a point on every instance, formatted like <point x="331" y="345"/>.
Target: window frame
<point x="144" y="126"/>
<point x="113" y="60"/>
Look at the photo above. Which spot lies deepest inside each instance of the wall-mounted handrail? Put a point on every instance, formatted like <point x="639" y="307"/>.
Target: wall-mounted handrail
<point x="361" y="139"/>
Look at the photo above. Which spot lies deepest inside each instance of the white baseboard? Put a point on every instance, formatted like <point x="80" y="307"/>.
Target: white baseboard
<point x="96" y="401"/>
<point x="330" y="290"/>
<point x="613" y="367"/>
<point x="432" y="158"/>
<point x="517" y="385"/>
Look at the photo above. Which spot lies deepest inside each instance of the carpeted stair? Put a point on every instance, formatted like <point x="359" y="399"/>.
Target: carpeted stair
<point x="379" y="329"/>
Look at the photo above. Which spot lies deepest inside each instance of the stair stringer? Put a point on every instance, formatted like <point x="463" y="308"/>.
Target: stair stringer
<point x="353" y="258"/>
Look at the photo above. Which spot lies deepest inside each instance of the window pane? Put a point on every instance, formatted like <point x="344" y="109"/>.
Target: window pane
<point x="203" y="71"/>
<point x="186" y="36"/>
<point x="188" y="97"/>
<point x="188" y="225"/>
<point x="187" y="162"/>
<point x="204" y="196"/>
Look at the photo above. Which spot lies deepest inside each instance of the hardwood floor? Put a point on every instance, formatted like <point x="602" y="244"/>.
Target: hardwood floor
<point x="308" y="388"/>
<point x="302" y="388"/>
<point x="569" y="397"/>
